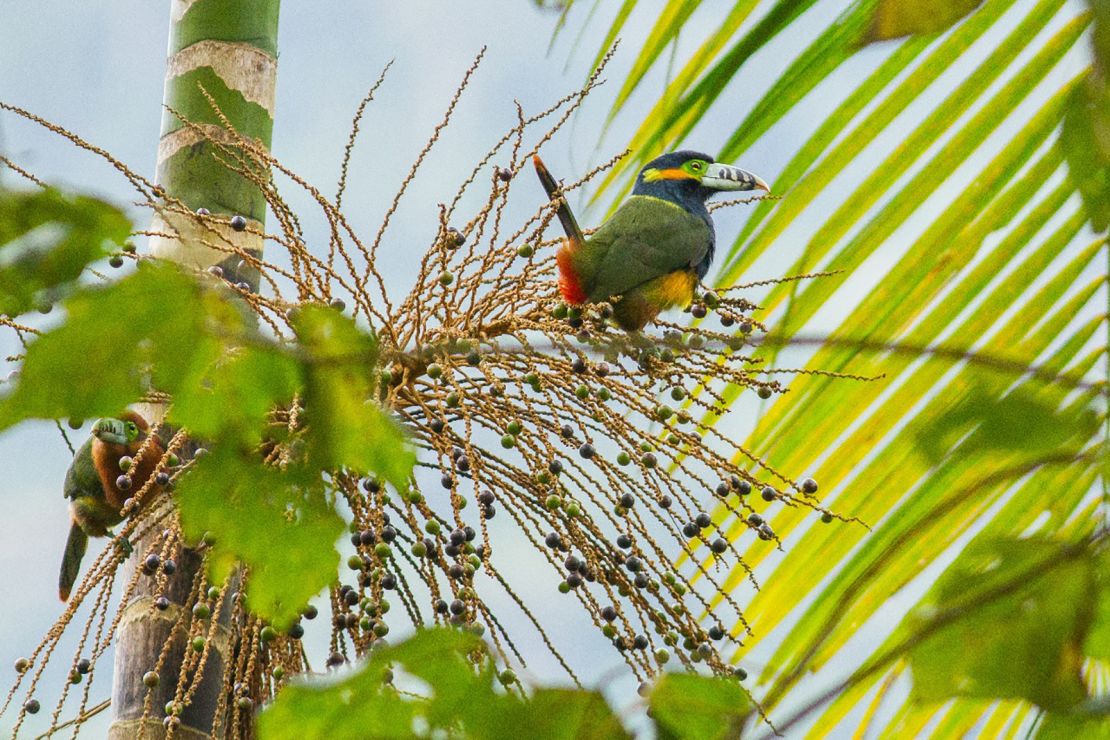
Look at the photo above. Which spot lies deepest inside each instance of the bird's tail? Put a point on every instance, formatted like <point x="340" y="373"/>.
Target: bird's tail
<point x="76" y="544"/>
<point x="569" y="284"/>
<point x="566" y="217"/>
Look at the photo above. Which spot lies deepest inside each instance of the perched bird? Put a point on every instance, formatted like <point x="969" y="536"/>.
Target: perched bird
<point x="97" y="485"/>
<point x="653" y="251"/>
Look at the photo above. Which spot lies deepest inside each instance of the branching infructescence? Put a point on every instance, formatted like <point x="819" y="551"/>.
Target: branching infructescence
<point x="600" y="446"/>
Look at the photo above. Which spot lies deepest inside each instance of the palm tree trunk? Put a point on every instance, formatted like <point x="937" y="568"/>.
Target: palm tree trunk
<point x="222" y="52"/>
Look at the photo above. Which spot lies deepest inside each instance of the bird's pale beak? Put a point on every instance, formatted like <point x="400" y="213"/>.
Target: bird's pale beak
<point x="725" y="177"/>
<point x="110" y="431"/>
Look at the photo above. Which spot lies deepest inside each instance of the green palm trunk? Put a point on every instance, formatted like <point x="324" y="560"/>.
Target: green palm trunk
<point x="225" y="50"/>
<point x="222" y="52"/>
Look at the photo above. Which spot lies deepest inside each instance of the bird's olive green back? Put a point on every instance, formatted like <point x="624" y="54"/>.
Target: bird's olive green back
<point x="646" y="238"/>
<point x="81" y="478"/>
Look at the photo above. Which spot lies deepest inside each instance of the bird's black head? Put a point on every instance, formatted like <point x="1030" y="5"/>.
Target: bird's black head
<point x="688" y="178"/>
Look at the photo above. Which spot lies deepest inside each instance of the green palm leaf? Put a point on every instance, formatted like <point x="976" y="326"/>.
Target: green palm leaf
<point x="988" y="264"/>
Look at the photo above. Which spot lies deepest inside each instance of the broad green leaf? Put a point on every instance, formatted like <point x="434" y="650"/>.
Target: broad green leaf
<point x="348" y="427"/>
<point x="1086" y="142"/>
<point x="567" y="714"/>
<point x="115" y="344"/>
<point x="278" y="523"/>
<point x="896" y="18"/>
<point x="1098" y="640"/>
<point x="1064" y="726"/>
<point x="691" y="706"/>
<point x="47" y="238"/>
<point x="1006" y="620"/>
<point x="458" y="700"/>
<point x="361" y="705"/>
<point x="231" y="402"/>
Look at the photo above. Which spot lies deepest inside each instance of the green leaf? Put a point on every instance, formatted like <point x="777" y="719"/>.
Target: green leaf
<point x="46" y="239"/>
<point x="1085" y="138"/>
<point x="232" y="400"/>
<point x="698" y="707"/>
<point x="103" y="357"/>
<point x="566" y="714"/>
<point x="458" y="701"/>
<point x="278" y="523"/>
<point x="1060" y="726"/>
<point x="348" y="427"/>
<point x="896" y="18"/>
<point x="1007" y="619"/>
<point x="1018" y="421"/>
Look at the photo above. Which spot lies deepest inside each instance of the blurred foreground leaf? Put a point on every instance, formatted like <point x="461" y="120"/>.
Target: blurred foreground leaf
<point x="47" y="238"/>
<point x="689" y="706"/>
<point x="459" y="699"/>
<point x="1010" y="618"/>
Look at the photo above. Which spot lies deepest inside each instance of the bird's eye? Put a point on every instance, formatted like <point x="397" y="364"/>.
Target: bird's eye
<point x="131" y="427"/>
<point x="696" y="166"/>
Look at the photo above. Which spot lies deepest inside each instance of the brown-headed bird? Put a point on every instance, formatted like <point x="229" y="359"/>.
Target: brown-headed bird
<point x="97" y="486"/>
<point x="651" y="254"/>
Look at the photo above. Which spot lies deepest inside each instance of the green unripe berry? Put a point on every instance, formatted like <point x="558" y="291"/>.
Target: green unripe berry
<point x="446" y="278"/>
<point x="150" y="679"/>
<point x="354" y="562"/>
<point x="267" y="634"/>
<point x="525" y="250"/>
<point x="514" y="428"/>
<point x="559" y="312"/>
<point x="564" y="587"/>
<point x="553" y="502"/>
<point x="435" y="370"/>
<point x="201" y="611"/>
<point x="383" y="551"/>
<point x="508" y="441"/>
<point x="623" y="458"/>
<point x="198" y="643"/>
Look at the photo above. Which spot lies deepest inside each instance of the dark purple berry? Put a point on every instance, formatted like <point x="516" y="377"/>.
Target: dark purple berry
<point x="719" y="545"/>
<point x="552" y="540"/>
<point x="124" y="483"/>
<point x="624" y="541"/>
<point x="627" y="500"/>
<point x="768" y="493"/>
<point x="703" y="520"/>
<point x="238" y="223"/>
<point x="151" y="564"/>
<point x="608" y="613"/>
<point x="587" y="451"/>
<point x="389" y="581"/>
<point x="161" y="603"/>
<point x="809" y="485"/>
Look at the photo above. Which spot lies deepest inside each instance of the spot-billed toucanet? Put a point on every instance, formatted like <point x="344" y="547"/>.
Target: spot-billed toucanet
<point x="97" y="485"/>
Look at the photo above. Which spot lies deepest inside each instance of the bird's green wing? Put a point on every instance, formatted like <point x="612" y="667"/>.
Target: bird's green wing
<point x="81" y="478"/>
<point x="646" y="238"/>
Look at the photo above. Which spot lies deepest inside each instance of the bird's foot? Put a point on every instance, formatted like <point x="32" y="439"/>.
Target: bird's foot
<point x="124" y="546"/>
